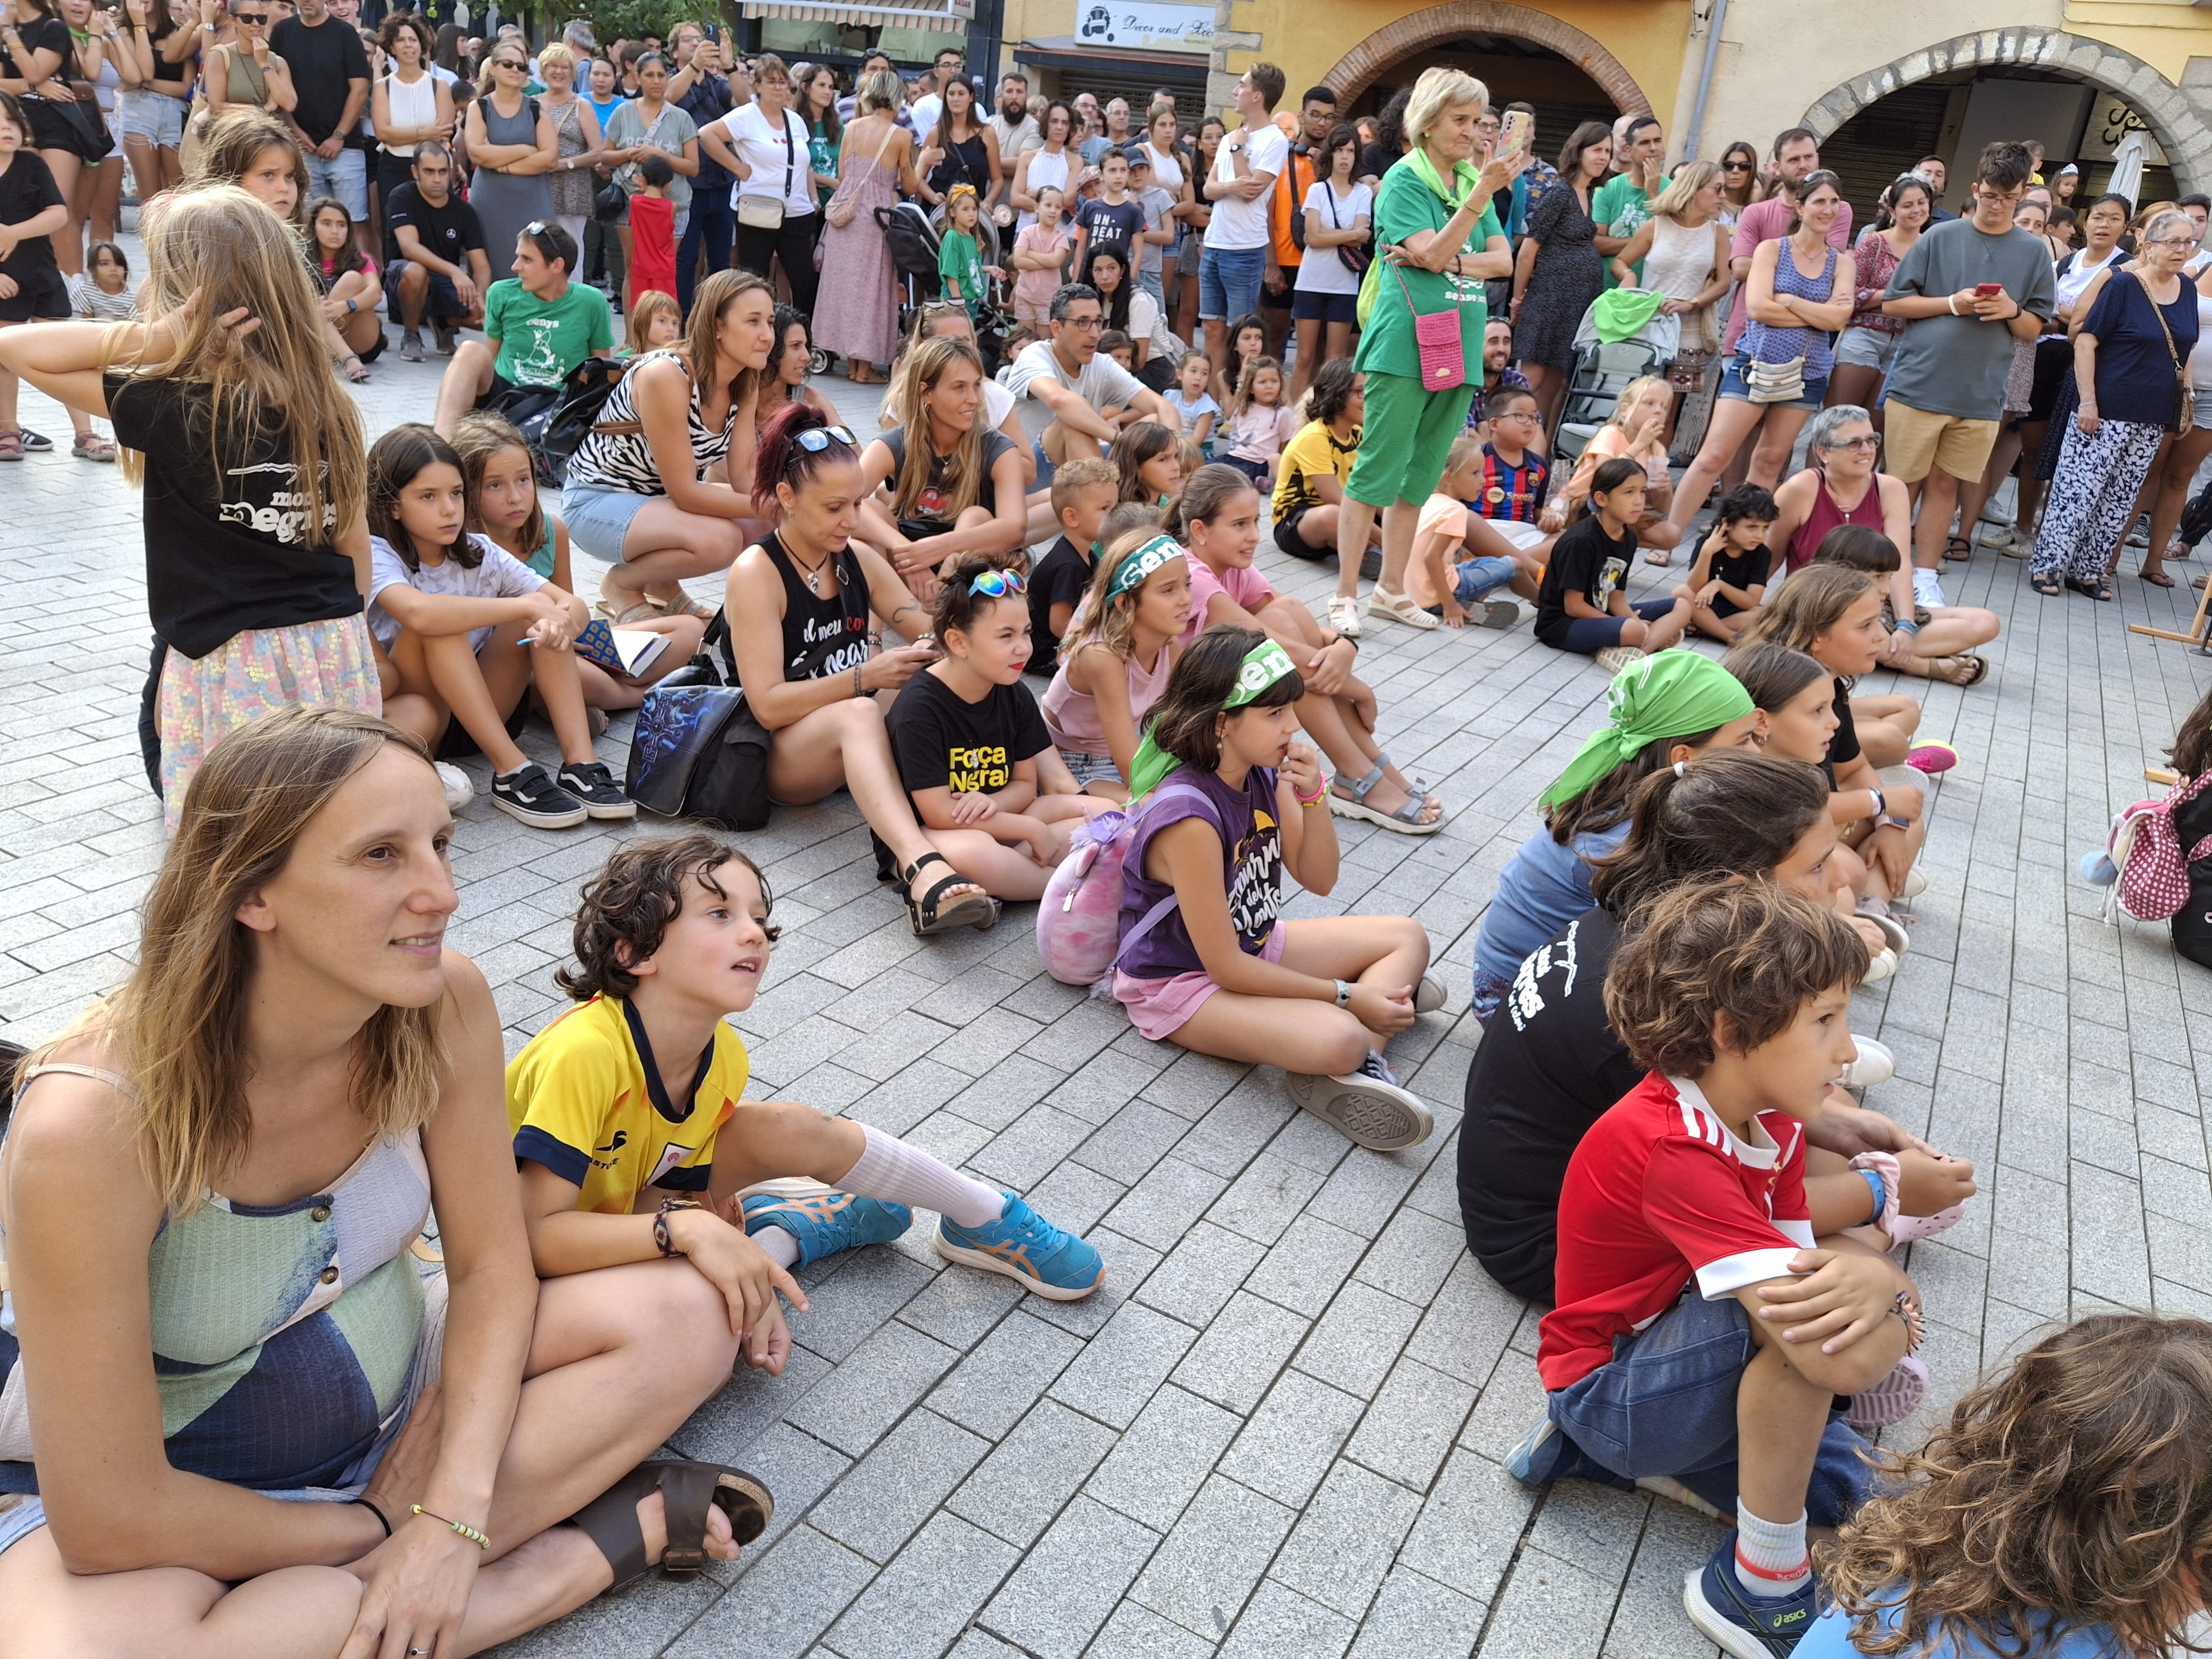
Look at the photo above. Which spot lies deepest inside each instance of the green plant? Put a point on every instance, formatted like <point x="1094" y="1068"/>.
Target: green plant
<point x="613" y="20"/>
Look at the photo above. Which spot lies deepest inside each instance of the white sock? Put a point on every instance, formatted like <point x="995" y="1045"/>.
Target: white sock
<point x="889" y="1168"/>
<point x="781" y="1244"/>
<point x="1771" y="1559"/>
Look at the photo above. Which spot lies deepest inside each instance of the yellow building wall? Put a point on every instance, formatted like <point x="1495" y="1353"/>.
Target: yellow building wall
<point x="2164" y="33"/>
<point x="1646" y="36"/>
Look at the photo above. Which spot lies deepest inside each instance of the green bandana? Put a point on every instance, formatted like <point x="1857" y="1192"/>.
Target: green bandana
<point x="1674" y="693"/>
<point x="1134" y="569"/>
<point x="1264" y="664"/>
<point x="1465" y="176"/>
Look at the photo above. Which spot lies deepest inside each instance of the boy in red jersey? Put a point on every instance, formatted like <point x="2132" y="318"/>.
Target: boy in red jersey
<point x="1701" y="1335"/>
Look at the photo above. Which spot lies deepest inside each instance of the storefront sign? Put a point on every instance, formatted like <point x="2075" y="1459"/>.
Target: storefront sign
<point x="1147" y="25"/>
<point x="2110" y="121"/>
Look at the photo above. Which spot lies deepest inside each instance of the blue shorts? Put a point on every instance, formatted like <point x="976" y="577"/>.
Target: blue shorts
<point x="1309" y="305"/>
<point x="599" y="519"/>
<point x="1090" y="768"/>
<point x="441" y="304"/>
<point x="345" y="176"/>
<point x="1734" y="388"/>
<point x="1586" y="635"/>
<point x="1665" y="1405"/>
<point x="1480" y="576"/>
<point x="1229" y="283"/>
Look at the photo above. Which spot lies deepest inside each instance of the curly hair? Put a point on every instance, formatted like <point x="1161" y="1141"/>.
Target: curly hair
<point x="1754" y="951"/>
<point x="2076" y="1488"/>
<point x="628" y="906"/>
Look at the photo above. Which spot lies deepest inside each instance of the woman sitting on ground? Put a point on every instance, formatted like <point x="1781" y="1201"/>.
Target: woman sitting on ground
<point x="797" y="608"/>
<point x="1231" y="801"/>
<point x="1551" y="1066"/>
<point x="320" y="1068"/>
<point x="649" y="488"/>
<point x="953" y="485"/>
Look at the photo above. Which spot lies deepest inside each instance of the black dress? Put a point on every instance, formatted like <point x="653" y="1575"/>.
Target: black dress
<point x="1569" y="274"/>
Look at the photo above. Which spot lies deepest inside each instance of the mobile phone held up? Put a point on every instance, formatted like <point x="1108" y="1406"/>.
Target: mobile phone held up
<point x="1518" y="132"/>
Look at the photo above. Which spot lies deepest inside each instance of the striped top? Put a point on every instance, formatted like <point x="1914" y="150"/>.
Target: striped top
<point x="283" y="1334"/>
<point x="623" y="461"/>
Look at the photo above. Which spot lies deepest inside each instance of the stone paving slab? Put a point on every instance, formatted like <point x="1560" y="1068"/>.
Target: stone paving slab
<point x="1278" y="1430"/>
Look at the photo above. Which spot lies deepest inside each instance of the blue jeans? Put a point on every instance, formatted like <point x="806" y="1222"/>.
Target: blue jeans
<point x="713" y="229"/>
<point x="1483" y="575"/>
<point x="346" y="176"/>
<point x="1228" y="282"/>
<point x="1665" y="1404"/>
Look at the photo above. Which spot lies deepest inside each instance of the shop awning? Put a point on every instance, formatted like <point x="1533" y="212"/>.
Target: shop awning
<point x="848" y="16"/>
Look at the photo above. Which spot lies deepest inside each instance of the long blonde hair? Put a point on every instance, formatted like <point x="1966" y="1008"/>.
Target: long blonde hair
<point x="919" y="370"/>
<point x="275" y="383"/>
<point x="180" y="1021"/>
<point x="1103" y="616"/>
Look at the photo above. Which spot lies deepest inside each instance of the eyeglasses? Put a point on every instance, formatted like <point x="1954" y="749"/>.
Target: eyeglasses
<point x="1868" y="442"/>
<point x="816" y="438"/>
<point x="1086" y="324"/>
<point x="2184" y="243"/>
<point x="998" y="584"/>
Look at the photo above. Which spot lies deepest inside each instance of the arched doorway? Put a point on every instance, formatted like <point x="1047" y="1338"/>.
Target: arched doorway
<point x="1931" y="102"/>
<point x="1516" y="50"/>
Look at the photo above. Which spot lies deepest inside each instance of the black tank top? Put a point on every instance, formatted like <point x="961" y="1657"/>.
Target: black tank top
<point x="821" y="636"/>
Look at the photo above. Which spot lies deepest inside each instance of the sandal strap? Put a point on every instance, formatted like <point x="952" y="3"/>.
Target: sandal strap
<point x="609" y="1521"/>
<point x="686" y="1490"/>
<point x="1364" y="786"/>
<point x="927" y="903"/>
<point x="932" y="856"/>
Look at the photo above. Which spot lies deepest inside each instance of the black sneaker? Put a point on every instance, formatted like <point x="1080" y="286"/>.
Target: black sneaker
<point x="528" y="796"/>
<point x="1742" y="1625"/>
<point x="36" y="440"/>
<point x="593" y="784"/>
<point x="442" y="334"/>
<point x="410" y="347"/>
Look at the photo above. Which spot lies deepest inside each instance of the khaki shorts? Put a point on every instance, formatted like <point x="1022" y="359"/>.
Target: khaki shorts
<point x="1913" y="441"/>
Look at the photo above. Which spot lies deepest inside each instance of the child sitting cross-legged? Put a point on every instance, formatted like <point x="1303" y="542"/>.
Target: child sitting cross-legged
<point x="1581" y="606"/>
<point x="636" y="1145"/>
<point x="2064" y="1511"/>
<point x="991" y="791"/>
<point x="1703" y="1335"/>
<point x="1728" y="576"/>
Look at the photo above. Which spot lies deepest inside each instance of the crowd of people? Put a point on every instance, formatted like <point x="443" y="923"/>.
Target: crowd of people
<point x="1024" y="623"/>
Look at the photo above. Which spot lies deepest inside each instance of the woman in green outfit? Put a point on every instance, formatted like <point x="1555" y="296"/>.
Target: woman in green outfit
<point x="1438" y="235"/>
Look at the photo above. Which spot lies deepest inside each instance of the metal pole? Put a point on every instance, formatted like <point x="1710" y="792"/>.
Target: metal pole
<point x="984" y="33"/>
<point x="1718" y="16"/>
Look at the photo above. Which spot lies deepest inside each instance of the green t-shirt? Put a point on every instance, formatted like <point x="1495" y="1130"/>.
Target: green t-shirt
<point x="540" y="342"/>
<point x="1619" y="209"/>
<point x="959" y="260"/>
<point x="1403" y="206"/>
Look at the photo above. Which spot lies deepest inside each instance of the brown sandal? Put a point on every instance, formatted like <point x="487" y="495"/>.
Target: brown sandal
<point x="610" y="1520"/>
<point x="1964" y="670"/>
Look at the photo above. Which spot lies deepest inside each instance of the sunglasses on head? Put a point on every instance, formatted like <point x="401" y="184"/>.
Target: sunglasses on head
<point x="998" y="584"/>
<point x="816" y="438"/>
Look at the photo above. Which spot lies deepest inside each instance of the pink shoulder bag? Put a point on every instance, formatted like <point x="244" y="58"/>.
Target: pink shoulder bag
<point x="1437" y="337"/>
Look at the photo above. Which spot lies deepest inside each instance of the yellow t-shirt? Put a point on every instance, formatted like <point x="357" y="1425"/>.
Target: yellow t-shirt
<point x="583" y="1101"/>
<point x="1314" y="453"/>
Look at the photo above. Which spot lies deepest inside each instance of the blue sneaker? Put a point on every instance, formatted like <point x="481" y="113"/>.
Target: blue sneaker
<point x="1546" y="1455"/>
<point x="1025" y="1247"/>
<point x="1746" y="1626"/>
<point x="828" y="1221"/>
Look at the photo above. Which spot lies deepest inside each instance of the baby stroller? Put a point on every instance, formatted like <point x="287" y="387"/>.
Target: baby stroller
<point x="912" y="238"/>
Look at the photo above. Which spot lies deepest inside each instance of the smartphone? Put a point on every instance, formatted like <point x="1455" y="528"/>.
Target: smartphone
<point x="1988" y="290"/>
<point x="714" y="32"/>
<point x="1518" y="130"/>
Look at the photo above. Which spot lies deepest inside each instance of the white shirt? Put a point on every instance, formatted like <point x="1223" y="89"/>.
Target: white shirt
<point x="1146" y="324"/>
<point x="1321" y="271"/>
<point x="925" y="110"/>
<point x="1239" y="224"/>
<point x="1103" y="383"/>
<point x="499" y="575"/>
<point x="747" y="131"/>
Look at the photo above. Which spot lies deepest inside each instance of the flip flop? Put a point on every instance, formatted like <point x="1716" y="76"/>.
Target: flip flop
<point x="1966" y="550"/>
<point x="610" y="1520"/>
<point x="2156" y="578"/>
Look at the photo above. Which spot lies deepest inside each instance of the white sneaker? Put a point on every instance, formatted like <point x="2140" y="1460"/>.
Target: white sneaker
<point x="1881" y="967"/>
<point x="1367" y="1107"/>
<point x="1876" y="1064"/>
<point x="1928" y="591"/>
<point x="1344" y="615"/>
<point x="1615" y="657"/>
<point x="1994" y="511"/>
<point x="459" y="791"/>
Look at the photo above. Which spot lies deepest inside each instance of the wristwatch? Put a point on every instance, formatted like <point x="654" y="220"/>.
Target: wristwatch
<point x="1343" y="994"/>
<point x="1880" y="805"/>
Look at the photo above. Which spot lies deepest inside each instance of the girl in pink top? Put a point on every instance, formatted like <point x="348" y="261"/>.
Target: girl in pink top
<point x="1114" y="663"/>
<point x="1041" y="256"/>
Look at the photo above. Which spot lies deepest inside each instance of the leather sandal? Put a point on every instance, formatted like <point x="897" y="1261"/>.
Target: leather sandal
<point x="977" y="909"/>
<point x="610" y="1520"/>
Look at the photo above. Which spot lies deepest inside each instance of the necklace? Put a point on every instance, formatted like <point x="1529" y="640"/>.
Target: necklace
<point x="812" y="578"/>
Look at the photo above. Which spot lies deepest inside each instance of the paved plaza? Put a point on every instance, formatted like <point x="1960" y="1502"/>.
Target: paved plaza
<point x="1278" y="1430"/>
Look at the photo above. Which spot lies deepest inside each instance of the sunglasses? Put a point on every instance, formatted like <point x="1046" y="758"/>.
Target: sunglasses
<point x="509" y="62"/>
<point x="998" y="584"/>
<point x="254" y="19"/>
<point x="816" y="438"/>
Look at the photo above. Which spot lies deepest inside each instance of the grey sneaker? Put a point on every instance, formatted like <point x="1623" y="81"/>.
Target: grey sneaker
<point x="1615" y="657"/>
<point x="410" y="347"/>
<point x="593" y="785"/>
<point x="528" y="796"/>
<point x="442" y="334"/>
<point x="1367" y="1107"/>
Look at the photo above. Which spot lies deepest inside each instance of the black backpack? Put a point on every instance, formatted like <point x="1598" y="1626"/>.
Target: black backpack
<point x="553" y="432"/>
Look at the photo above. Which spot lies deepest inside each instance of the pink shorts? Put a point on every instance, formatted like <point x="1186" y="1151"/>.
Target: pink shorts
<point x="1158" y="1007"/>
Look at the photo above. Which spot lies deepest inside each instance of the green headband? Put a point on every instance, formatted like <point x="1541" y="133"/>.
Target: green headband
<point x="1264" y="664"/>
<point x="1133" y="570"/>
<point x="1675" y="693"/>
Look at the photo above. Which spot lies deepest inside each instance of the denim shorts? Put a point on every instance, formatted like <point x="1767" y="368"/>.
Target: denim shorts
<point x="1088" y="769"/>
<point x="1732" y="388"/>
<point x="1480" y="576"/>
<point x="345" y="176"/>
<point x="2202" y="404"/>
<point x="1490" y="991"/>
<point x="1311" y="305"/>
<point x="154" y="116"/>
<point x="599" y="519"/>
<point x="1868" y="347"/>
<point x="1228" y="282"/>
<point x="1665" y="1405"/>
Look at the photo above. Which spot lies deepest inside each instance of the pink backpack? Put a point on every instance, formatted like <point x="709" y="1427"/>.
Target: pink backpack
<point x="2153" y="882"/>
<point x="1078" y="923"/>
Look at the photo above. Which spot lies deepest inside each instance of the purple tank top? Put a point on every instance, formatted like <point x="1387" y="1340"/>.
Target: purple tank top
<point x="1252" y="868"/>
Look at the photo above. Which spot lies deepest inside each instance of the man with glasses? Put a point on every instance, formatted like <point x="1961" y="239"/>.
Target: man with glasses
<point x="1966" y="291"/>
<point x="434" y="263"/>
<point x="329" y="72"/>
<point x="539" y="327"/>
<point x="947" y="66"/>
<point x="1065" y="385"/>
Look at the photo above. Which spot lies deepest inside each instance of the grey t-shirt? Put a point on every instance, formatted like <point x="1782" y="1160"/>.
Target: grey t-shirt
<point x="1957" y="365"/>
<point x="1102" y="383"/>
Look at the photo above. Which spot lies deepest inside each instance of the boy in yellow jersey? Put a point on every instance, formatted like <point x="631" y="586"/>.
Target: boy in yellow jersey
<point x="636" y="1142"/>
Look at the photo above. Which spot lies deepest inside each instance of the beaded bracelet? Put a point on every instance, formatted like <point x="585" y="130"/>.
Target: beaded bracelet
<point x="466" y="1531"/>
<point x="660" y="1236"/>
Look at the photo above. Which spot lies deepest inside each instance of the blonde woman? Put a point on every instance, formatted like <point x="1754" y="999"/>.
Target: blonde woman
<point x="1683" y="250"/>
<point x="955" y="484"/>
<point x="292" y="1071"/>
<point x="581" y="141"/>
<point x="1635" y="431"/>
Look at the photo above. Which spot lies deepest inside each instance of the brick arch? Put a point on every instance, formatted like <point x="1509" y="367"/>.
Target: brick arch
<point x="1360" y="69"/>
<point x="2166" y="108"/>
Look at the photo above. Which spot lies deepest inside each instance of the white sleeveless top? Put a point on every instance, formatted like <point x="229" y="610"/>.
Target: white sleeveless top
<point x="1046" y="168"/>
<point x="415" y="106"/>
<point x="1680" y="262"/>
<point x="1167" y="168"/>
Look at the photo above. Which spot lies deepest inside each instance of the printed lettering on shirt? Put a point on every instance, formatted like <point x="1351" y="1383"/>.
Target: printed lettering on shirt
<point x="979" y="771"/>
<point x="1255" y="896"/>
<point x="541" y="365"/>
<point x="1525" y="1000"/>
<point x="279" y="512"/>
